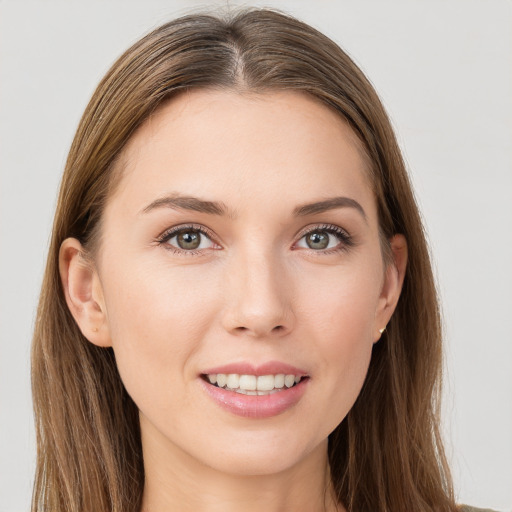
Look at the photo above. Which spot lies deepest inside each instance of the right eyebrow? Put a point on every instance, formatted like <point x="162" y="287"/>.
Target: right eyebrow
<point x="178" y="202"/>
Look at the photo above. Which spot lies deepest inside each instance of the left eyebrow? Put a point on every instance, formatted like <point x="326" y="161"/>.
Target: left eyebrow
<point x="329" y="204"/>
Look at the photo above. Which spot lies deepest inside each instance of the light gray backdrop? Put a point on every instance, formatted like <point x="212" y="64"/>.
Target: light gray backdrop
<point x="444" y="71"/>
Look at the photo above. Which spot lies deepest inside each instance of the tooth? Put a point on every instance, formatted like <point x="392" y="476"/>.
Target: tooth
<point x="279" y="381"/>
<point x="265" y="382"/>
<point x="289" y="381"/>
<point x="232" y="380"/>
<point x="252" y="385"/>
<point x="261" y="393"/>
<point x="247" y="382"/>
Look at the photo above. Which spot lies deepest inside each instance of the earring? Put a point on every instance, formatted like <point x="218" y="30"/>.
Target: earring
<point x="382" y="330"/>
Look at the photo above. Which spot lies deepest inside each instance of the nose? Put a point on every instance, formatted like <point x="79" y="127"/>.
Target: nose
<point x="258" y="297"/>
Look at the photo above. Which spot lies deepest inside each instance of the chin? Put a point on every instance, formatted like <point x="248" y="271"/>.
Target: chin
<point x="259" y="455"/>
<point x="255" y="464"/>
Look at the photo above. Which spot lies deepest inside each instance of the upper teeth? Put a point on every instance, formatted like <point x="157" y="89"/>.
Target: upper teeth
<point x="253" y="383"/>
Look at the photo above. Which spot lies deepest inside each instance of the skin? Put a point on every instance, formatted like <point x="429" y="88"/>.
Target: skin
<point x="254" y="291"/>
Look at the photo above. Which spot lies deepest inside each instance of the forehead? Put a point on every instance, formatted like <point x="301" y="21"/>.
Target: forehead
<point x="272" y="146"/>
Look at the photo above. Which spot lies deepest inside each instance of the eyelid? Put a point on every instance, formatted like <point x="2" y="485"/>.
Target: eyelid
<point x="322" y="227"/>
<point x="346" y="240"/>
<point x="169" y="233"/>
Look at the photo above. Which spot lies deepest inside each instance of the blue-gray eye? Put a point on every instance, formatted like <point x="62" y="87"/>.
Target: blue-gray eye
<point x="318" y="240"/>
<point x="325" y="238"/>
<point x="190" y="239"/>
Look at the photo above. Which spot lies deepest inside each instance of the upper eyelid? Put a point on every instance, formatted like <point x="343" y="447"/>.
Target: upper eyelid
<point x="208" y="232"/>
<point x="343" y="235"/>
<point x="319" y="227"/>
<point x="170" y="232"/>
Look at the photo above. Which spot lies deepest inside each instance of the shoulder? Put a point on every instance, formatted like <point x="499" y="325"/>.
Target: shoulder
<point x="465" y="508"/>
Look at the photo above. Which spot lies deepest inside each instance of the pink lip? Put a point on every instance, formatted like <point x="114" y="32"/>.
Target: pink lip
<point x="268" y="368"/>
<point x="254" y="406"/>
<point x="251" y="406"/>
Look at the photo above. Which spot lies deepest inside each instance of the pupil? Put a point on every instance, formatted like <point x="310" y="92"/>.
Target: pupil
<point x="189" y="240"/>
<point x="318" y="240"/>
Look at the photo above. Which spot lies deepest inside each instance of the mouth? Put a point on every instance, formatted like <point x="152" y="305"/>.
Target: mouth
<point x="254" y="385"/>
<point x="255" y="391"/>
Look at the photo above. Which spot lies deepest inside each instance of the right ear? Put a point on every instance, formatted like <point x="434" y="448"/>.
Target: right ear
<point x="83" y="292"/>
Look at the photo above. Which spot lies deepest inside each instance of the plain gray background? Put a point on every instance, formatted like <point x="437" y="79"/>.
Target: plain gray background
<point x="444" y="72"/>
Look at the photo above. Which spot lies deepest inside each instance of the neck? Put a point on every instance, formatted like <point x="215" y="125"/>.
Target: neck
<point x="176" y="481"/>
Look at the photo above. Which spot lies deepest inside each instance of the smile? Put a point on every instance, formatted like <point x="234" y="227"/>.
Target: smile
<point x="259" y="385"/>
<point x="255" y="392"/>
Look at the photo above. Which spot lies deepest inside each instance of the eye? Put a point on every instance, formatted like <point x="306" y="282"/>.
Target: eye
<point x="187" y="239"/>
<point x="325" y="238"/>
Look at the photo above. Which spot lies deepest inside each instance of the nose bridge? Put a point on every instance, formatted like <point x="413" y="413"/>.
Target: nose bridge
<point x="259" y="293"/>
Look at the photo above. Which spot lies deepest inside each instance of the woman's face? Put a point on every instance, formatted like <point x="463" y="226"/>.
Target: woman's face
<point x="242" y="240"/>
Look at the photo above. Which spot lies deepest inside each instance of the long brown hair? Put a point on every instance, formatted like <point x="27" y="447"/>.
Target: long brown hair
<point x="387" y="454"/>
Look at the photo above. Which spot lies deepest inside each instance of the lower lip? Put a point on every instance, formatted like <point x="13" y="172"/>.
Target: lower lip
<point x="256" y="406"/>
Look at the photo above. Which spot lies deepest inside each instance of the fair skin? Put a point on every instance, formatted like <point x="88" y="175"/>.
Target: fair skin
<point x="261" y="285"/>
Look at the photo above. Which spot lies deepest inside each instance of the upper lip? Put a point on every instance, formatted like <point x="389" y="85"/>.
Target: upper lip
<point x="246" y="368"/>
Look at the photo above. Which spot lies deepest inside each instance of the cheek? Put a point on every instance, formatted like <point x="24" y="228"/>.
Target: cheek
<point x="340" y="319"/>
<point x="342" y="304"/>
<point x="157" y="321"/>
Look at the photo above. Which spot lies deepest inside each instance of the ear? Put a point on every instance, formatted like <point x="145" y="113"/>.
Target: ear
<point x="83" y="292"/>
<point x="392" y="285"/>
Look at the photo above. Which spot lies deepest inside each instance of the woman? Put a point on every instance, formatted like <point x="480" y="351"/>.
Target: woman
<point x="238" y="310"/>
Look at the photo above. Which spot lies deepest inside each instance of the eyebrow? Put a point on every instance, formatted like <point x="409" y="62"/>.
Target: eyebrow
<point x="329" y="204"/>
<point x="179" y="202"/>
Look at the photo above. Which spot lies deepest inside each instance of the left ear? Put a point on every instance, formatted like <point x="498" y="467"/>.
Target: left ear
<point x="392" y="285"/>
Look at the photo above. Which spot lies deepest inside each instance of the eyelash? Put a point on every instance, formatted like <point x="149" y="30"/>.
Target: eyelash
<point x="170" y="233"/>
<point x="345" y="238"/>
